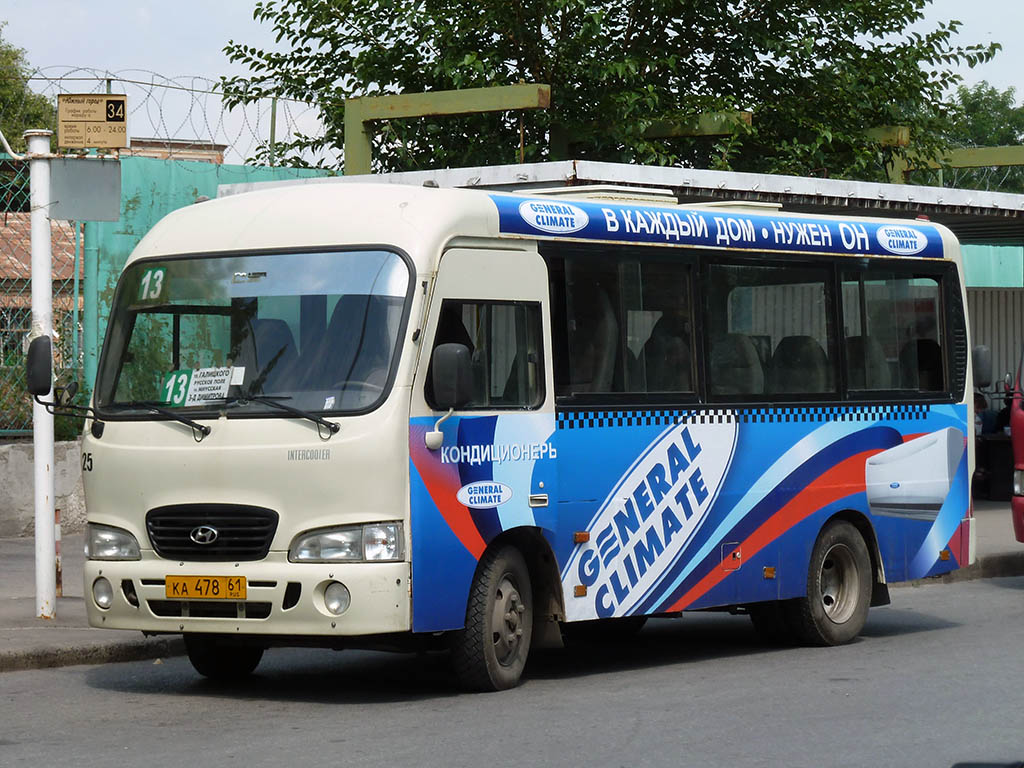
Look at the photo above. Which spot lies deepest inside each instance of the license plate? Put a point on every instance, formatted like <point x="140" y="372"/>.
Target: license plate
<point x="205" y="587"/>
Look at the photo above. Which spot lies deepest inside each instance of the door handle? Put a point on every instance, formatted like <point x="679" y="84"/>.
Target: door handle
<point x="538" y="499"/>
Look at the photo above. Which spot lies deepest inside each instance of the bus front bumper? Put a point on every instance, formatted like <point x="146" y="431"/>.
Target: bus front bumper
<point x="282" y="598"/>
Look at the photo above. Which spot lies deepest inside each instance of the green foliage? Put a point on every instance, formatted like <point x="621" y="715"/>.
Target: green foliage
<point x="20" y="108"/>
<point x="15" y="401"/>
<point x="987" y="117"/>
<point x="70" y="427"/>
<point x="984" y="116"/>
<point x="816" y="74"/>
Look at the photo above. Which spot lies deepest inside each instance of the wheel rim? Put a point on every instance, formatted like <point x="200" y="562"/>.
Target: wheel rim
<point x="838" y="582"/>
<point x="507" y="621"/>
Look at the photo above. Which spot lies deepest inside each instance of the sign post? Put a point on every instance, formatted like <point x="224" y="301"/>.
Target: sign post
<point x="42" y="325"/>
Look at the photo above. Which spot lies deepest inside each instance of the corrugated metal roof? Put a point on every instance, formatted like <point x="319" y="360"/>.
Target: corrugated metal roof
<point x="974" y="216"/>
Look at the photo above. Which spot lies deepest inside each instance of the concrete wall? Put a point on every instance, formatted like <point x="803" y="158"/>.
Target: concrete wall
<point x="17" y="497"/>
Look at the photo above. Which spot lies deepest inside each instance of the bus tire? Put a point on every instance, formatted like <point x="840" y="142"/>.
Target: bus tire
<point x="835" y="607"/>
<point x="220" y="659"/>
<point x="489" y="654"/>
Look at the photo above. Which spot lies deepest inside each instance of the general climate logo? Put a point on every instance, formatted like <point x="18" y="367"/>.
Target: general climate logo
<point x="647" y="521"/>
<point x="554" y="217"/>
<point x="903" y="241"/>
<point x="484" y="494"/>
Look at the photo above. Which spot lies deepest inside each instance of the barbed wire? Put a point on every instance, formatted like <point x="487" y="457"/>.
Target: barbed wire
<point x="192" y="109"/>
<point x="178" y="116"/>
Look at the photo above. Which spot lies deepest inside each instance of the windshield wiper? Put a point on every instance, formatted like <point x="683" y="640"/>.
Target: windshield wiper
<point x="199" y="431"/>
<point x="273" y="400"/>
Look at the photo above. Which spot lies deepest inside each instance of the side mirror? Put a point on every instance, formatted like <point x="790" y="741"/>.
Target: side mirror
<point x="453" y="385"/>
<point x="981" y="363"/>
<point x="452" y="375"/>
<point x="64" y="396"/>
<point x="39" y="366"/>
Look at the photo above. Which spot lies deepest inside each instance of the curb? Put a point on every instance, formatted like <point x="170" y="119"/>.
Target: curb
<point x="45" y="658"/>
<point x="1004" y="564"/>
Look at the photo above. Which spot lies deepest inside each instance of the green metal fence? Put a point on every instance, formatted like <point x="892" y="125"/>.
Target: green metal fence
<point x="16" y="297"/>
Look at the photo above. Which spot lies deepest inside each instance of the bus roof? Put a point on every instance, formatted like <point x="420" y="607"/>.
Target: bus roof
<point x="421" y="220"/>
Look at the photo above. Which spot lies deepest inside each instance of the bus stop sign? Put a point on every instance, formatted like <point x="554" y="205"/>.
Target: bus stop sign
<point x="92" y="121"/>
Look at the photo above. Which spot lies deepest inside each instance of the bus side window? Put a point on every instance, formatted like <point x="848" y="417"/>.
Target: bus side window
<point x="735" y="366"/>
<point x="770" y="331"/>
<point x="627" y="325"/>
<point x="593" y="343"/>
<point x="921" y="362"/>
<point x="893" y="332"/>
<point x="504" y="341"/>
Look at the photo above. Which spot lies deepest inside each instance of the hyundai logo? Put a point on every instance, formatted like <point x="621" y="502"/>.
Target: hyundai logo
<point x="204" y="534"/>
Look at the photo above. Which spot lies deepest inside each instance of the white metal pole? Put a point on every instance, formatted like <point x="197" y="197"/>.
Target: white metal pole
<point x="42" y="325"/>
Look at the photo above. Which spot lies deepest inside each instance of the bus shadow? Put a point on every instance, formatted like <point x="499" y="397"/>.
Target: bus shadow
<point x="367" y="678"/>
<point x="296" y="675"/>
<point x="662" y="642"/>
<point x="702" y="637"/>
<point x="893" y="622"/>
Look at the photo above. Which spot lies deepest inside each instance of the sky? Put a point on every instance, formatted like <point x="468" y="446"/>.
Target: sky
<point x="184" y="39"/>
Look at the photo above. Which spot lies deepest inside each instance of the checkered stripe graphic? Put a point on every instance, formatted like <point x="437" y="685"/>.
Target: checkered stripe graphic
<point x="598" y="419"/>
<point x="591" y="419"/>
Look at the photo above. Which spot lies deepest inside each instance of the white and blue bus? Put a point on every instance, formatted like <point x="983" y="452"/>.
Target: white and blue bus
<point x="395" y="416"/>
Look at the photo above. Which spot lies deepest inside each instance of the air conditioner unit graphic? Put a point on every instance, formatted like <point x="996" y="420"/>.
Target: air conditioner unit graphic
<point x="913" y="479"/>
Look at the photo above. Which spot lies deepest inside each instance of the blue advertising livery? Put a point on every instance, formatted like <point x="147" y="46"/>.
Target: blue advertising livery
<point x="712" y="228"/>
<point x="685" y="508"/>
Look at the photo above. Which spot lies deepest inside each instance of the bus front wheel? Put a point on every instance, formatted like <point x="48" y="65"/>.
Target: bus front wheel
<point x="220" y="659"/>
<point x="838" y="588"/>
<point x="490" y="652"/>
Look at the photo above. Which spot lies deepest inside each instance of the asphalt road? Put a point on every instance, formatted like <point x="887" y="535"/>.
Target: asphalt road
<point x="935" y="680"/>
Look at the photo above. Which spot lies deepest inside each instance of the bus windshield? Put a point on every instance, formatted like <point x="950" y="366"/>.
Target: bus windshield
<point x="314" y="331"/>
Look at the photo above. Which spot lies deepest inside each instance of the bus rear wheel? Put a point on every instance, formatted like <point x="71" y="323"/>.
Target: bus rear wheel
<point x="214" y="657"/>
<point x="838" y="588"/>
<point x="489" y="654"/>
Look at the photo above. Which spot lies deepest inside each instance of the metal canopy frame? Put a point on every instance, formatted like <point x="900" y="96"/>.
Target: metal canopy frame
<point x="974" y="216"/>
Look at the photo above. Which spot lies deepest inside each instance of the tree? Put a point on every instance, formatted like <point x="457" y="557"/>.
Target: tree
<point x="984" y="116"/>
<point x="20" y="107"/>
<point x="816" y="74"/>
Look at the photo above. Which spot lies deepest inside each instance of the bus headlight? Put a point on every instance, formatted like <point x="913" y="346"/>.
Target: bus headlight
<point x="328" y="546"/>
<point x="376" y="542"/>
<point x="104" y="542"/>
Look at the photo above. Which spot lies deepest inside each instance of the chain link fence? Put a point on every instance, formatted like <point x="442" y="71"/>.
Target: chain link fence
<point x="16" y="297"/>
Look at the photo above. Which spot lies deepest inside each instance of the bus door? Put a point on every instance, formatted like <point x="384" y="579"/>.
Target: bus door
<point x="495" y="470"/>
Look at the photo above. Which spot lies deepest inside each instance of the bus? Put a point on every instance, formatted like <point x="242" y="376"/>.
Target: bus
<point x="388" y="416"/>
